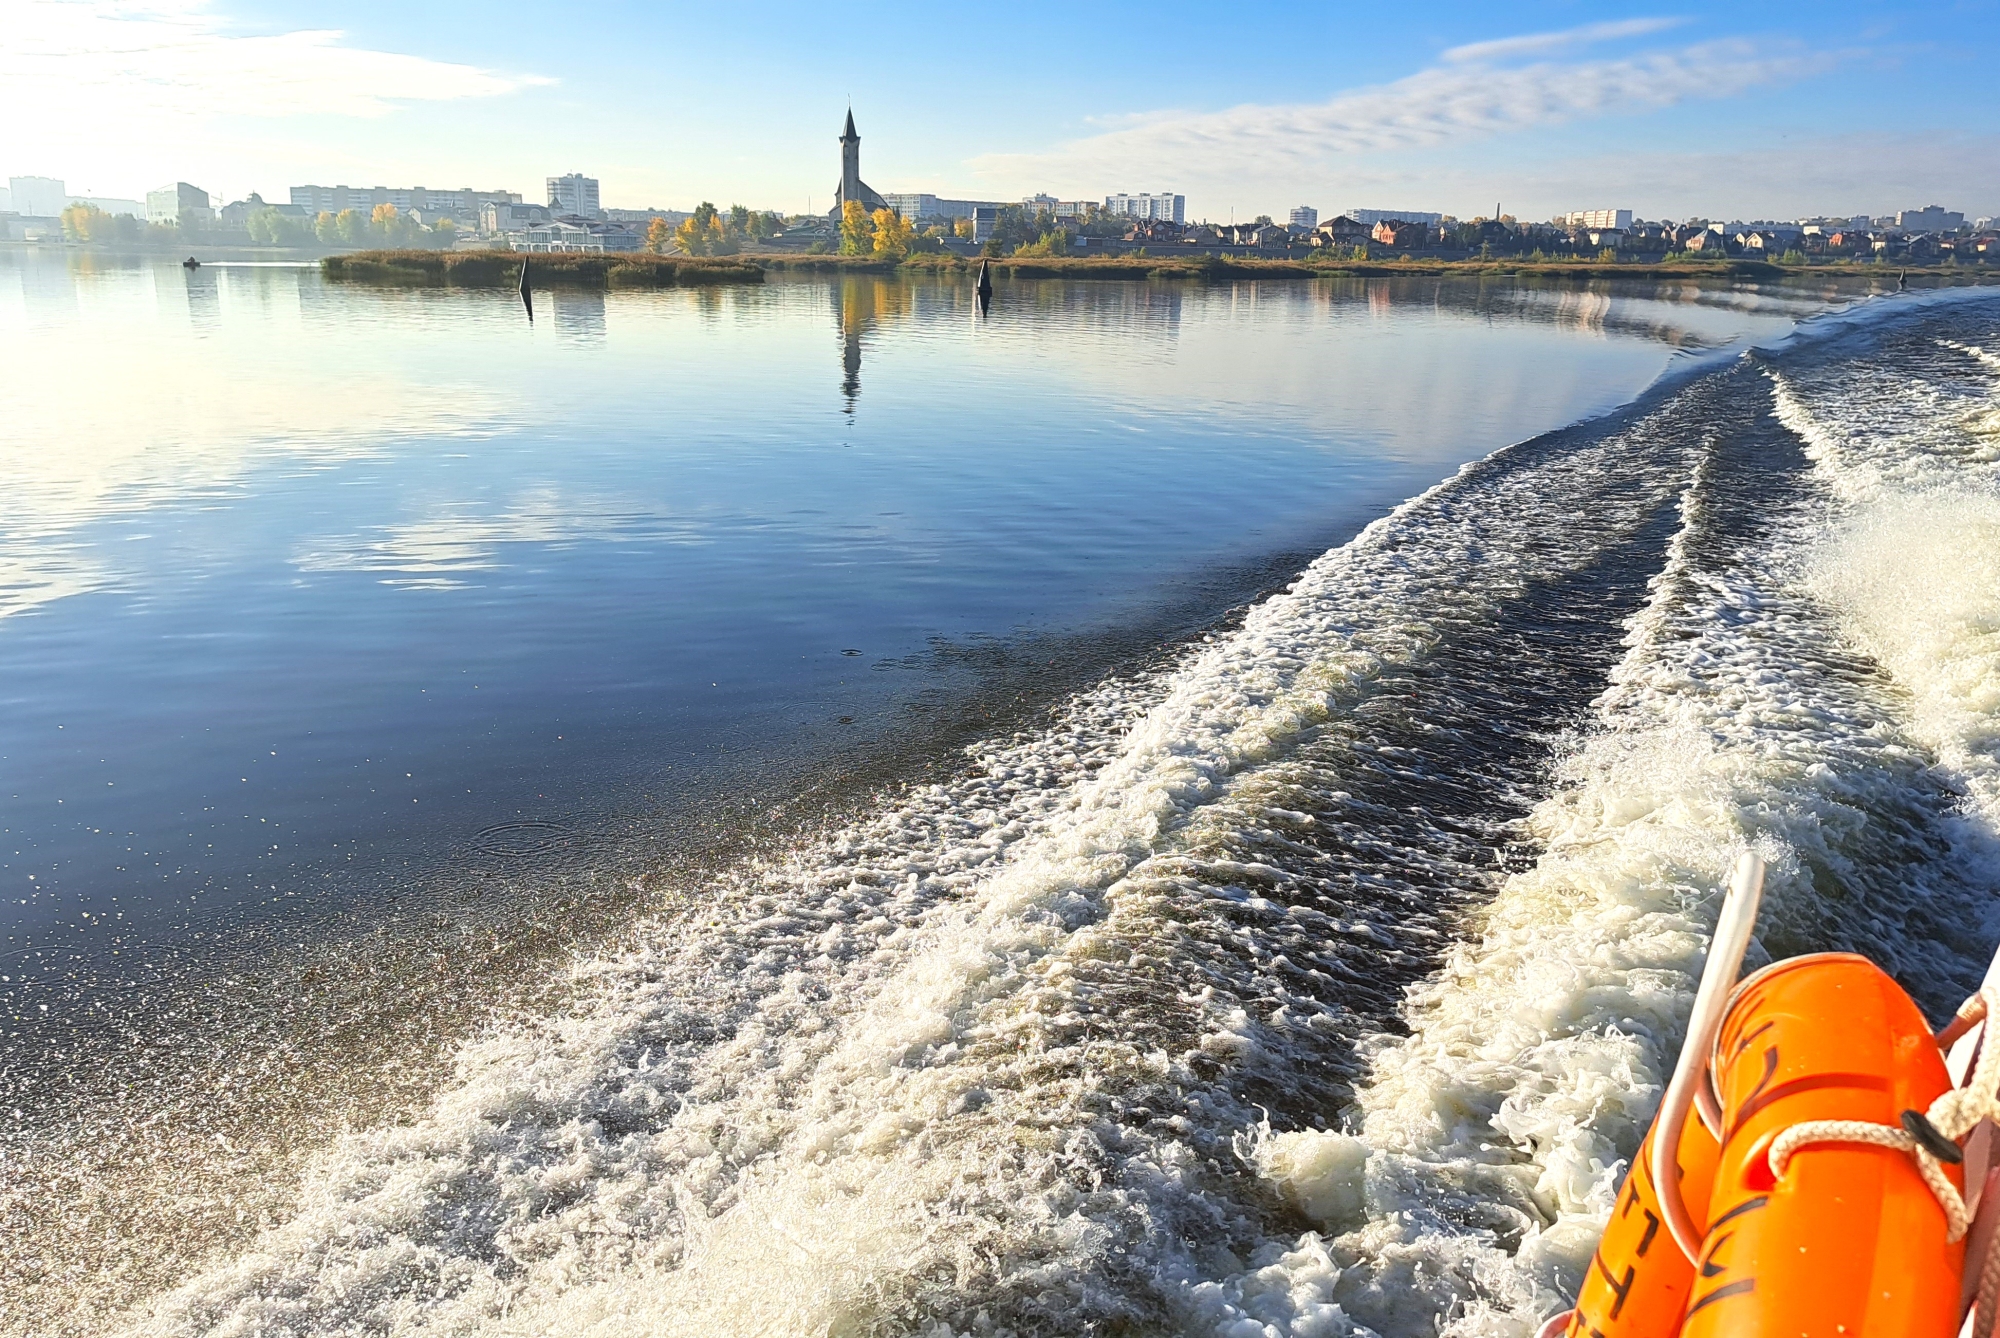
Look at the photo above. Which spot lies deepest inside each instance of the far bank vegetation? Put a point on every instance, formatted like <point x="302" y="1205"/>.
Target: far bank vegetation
<point x="497" y="269"/>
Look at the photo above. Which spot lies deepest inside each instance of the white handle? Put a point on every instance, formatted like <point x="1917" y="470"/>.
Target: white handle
<point x="1733" y="925"/>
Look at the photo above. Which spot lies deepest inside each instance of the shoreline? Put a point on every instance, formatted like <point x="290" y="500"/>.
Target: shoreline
<point x="644" y="269"/>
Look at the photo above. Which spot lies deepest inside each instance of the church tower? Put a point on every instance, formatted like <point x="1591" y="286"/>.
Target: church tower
<point x="852" y="187"/>
<point x="850" y="161"/>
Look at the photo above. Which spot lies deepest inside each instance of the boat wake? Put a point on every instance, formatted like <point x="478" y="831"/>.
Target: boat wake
<point x="1318" y="983"/>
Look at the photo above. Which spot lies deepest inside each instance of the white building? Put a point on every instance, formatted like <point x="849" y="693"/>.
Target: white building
<point x="37" y="197"/>
<point x="913" y="205"/>
<point x="463" y="204"/>
<point x="566" y="234"/>
<point x="575" y="194"/>
<point x="1621" y="219"/>
<point x="1373" y="216"/>
<point x="1930" y="218"/>
<point x="496" y="217"/>
<point x="1163" y="207"/>
<point x="1304" y="218"/>
<point x="1049" y="204"/>
<point x="171" y="204"/>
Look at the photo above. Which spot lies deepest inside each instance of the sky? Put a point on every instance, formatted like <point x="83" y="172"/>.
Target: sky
<point x="1709" y="109"/>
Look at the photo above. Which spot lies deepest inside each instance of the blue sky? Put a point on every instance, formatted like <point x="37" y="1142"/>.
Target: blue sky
<point x="1724" y="110"/>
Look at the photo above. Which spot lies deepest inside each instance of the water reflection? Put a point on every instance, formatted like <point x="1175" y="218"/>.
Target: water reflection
<point x="204" y="299"/>
<point x="860" y="303"/>
<point x="579" y="315"/>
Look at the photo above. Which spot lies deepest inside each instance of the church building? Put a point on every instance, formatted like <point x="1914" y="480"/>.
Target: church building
<point x="852" y="187"/>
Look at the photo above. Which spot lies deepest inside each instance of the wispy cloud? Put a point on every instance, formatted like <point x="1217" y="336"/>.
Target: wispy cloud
<point x="1546" y="44"/>
<point x="116" y="60"/>
<point x="1476" y="91"/>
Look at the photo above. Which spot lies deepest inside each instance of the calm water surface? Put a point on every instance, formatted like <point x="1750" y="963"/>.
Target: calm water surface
<point x="297" y="576"/>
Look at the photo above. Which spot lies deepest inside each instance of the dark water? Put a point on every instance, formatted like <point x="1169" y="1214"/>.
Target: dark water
<point x="362" y="649"/>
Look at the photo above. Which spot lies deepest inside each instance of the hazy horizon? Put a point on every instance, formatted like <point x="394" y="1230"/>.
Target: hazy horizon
<point x="1700" y="110"/>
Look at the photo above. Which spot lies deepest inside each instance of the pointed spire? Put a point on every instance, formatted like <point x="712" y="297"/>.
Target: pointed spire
<point x="849" y="132"/>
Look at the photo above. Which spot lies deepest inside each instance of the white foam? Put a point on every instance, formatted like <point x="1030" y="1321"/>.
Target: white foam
<point x="1538" y="1054"/>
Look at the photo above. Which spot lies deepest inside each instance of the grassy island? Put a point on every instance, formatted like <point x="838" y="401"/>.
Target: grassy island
<point x="498" y="269"/>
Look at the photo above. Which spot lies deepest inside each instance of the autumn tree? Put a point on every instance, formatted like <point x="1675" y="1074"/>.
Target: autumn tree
<point x="702" y="234"/>
<point x="659" y="236"/>
<point x="326" y="227"/>
<point x="349" y="227"/>
<point x="855" y="229"/>
<point x="81" y="222"/>
<point x="893" y="234"/>
<point x="963" y="228"/>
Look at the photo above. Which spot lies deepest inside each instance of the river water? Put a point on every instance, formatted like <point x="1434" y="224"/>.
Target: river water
<point x="803" y="808"/>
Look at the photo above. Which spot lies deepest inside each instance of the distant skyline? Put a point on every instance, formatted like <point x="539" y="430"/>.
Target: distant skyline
<point x="1708" y="109"/>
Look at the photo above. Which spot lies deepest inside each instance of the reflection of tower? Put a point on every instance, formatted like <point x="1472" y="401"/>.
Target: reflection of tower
<point x="852" y="187"/>
<point x="859" y="306"/>
<point x="854" y="313"/>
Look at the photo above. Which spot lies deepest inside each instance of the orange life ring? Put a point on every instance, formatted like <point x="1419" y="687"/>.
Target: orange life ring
<point x="1850" y="1240"/>
<point x="1639" y="1280"/>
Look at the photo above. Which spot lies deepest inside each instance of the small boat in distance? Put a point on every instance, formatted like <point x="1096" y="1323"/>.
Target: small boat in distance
<point x="190" y="263"/>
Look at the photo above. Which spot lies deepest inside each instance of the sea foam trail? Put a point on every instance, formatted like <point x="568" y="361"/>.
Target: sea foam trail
<point x="989" y="1053"/>
<point x="1742" y="716"/>
<point x="1112" y="1033"/>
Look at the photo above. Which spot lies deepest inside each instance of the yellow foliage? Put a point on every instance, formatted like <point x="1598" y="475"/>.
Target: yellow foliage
<point x="658" y="236"/>
<point x="384" y="215"/>
<point x="855" y="229"/>
<point x="963" y="227"/>
<point x="893" y="234"/>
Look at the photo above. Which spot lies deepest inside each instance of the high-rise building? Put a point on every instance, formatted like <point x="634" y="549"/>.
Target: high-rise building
<point x="176" y="203"/>
<point x="1930" y="218"/>
<point x="912" y="205"/>
<point x="1304" y="218"/>
<point x="1164" y="207"/>
<point x="574" y="194"/>
<point x="37" y="197"/>
<point x="1596" y="219"/>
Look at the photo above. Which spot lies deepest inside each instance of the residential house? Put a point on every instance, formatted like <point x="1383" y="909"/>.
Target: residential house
<point x="1340" y="231"/>
<point x="1402" y="235"/>
<point x="1268" y="235"/>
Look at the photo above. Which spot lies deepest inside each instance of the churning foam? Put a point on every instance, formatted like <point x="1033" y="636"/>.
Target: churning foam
<point x="992" y="1062"/>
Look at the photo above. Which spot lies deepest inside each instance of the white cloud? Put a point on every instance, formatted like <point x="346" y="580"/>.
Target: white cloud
<point x="1480" y="91"/>
<point x="1543" y="44"/>
<point x="121" y="63"/>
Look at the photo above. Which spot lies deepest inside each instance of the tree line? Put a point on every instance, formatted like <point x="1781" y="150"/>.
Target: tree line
<point x="710" y="232"/>
<point x="385" y="225"/>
